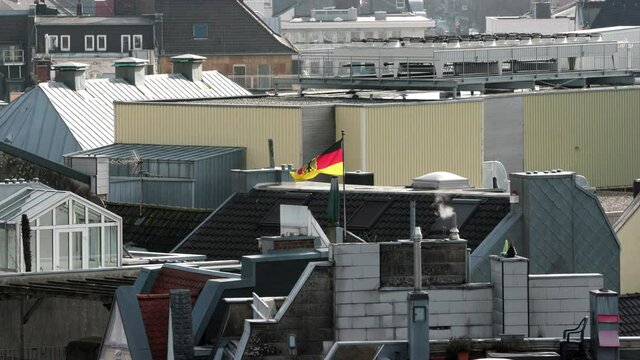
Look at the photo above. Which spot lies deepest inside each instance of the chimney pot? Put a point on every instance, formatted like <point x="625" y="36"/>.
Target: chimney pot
<point x="189" y="65"/>
<point x="72" y="74"/>
<point x="131" y="69"/>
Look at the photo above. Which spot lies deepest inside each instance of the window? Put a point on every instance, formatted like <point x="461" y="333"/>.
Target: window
<point x="367" y="214"/>
<point x="137" y="42"/>
<point x="125" y="43"/>
<point x="52" y="44"/>
<point x="102" y="42"/>
<point x="400" y="4"/>
<point x="264" y="76"/>
<point x="14" y="72"/>
<point x="63" y="251"/>
<point x="65" y="42"/>
<point x="200" y="31"/>
<point x="46" y="250"/>
<point x="89" y="43"/>
<point x="95" y="249"/>
<point x="355" y="36"/>
<point x="239" y="74"/>
<point x="94" y="217"/>
<point x="111" y="251"/>
<point x="46" y="219"/>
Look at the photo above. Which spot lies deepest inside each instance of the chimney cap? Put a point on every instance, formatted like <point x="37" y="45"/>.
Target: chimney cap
<point x="70" y="66"/>
<point x="130" y="62"/>
<point x="188" y="58"/>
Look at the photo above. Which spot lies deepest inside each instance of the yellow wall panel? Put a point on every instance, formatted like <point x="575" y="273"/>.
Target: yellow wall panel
<point x="400" y="142"/>
<point x="348" y="118"/>
<point x="594" y="133"/>
<point x="206" y="125"/>
<point x="629" y="236"/>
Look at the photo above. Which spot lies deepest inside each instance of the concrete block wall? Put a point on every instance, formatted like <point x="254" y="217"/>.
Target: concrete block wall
<point x="559" y="301"/>
<point x="510" y="295"/>
<point x="364" y="311"/>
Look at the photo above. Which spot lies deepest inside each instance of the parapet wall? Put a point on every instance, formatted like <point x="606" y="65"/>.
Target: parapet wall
<point x="542" y="305"/>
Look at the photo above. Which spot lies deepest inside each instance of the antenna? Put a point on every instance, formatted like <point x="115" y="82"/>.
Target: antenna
<point x="139" y="170"/>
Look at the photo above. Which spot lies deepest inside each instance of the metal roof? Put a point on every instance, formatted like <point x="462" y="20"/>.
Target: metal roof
<point x="32" y="122"/>
<point x="157" y="152"/>
<point x="93" y="20"/>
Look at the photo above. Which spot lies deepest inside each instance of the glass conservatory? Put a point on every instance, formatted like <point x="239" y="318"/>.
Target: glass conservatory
<point x="63" y="231"/>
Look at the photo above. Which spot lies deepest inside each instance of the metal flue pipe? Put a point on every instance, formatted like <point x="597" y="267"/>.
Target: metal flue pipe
<point x="417" y="259"/>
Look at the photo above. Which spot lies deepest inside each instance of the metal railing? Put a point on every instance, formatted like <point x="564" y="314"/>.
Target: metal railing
<point x="43" y="353"/>
<point x="443" y="63"/>
<point x="265" y="82"/>
<point x="13" y="57"/>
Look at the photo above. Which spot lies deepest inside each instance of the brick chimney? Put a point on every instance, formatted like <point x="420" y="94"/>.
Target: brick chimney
<point x="72" y="74"/>
<point x="131" y="69"/>
<point x="189" y="65"/>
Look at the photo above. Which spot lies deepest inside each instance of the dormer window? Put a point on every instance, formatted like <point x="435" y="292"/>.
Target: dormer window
<point x="200" y="31"/>
<point x="89" y="43"/>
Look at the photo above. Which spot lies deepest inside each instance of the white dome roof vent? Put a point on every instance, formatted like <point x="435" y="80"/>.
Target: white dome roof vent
<point x="440" y="180"/>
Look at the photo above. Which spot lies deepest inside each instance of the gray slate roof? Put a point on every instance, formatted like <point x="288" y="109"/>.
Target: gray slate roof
<point x="52" y="120"/>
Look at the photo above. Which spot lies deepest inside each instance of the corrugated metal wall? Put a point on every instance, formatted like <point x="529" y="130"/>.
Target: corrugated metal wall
<point x="628" y="236"/>
<point x="400" y="142"/>
<point x="155" y="191"/>
<point x="213" y="178"/>
<point x="209" y="125"/>
<point x="594" y="133"/>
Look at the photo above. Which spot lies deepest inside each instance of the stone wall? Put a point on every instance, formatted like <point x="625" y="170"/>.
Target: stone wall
<point x="559" y="301"/>
<point x="309" y="317"/>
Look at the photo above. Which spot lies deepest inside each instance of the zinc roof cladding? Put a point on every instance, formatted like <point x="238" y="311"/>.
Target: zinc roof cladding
<point x="89" y="113"/>
<point x="232" y="230"/>
<point x="157" y="152"/>
<point x="93" y="20"/>
<point x="160" y="229"/>
<point x="629" y="306"/>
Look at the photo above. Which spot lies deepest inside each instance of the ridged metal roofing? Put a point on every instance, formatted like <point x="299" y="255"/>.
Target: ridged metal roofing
<point x="33" y="121"/>
<point x="157" y="152"/>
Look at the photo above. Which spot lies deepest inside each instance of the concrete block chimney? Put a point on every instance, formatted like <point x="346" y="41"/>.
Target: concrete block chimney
<point x="71" y="74"/>
<point x="189" y="65"/>
<point x="131" y="69"/>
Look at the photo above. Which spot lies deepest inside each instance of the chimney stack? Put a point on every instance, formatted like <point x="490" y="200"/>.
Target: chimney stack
<point x="71" y="74"/>
<point x="131" y="69"/>
<point x="189" y="65"/>
<point x="79" y="8"/>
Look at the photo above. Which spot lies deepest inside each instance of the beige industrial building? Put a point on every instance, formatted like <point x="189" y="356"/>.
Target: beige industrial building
<point x="589" y="131"/>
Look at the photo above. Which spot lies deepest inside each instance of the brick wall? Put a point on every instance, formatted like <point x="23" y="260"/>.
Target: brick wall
<point x="559" y="301"/>
<point x="293" y="244"/>
<point x="364" y="311"/>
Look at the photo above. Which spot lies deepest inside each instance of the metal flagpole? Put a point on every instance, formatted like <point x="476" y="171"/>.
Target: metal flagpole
<point x="344" y="189"/>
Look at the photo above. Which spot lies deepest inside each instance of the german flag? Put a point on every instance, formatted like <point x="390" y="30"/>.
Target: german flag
<point x="330" y="162"/>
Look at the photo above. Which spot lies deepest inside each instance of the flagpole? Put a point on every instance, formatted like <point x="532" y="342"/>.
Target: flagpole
<point x="344" y="189"/>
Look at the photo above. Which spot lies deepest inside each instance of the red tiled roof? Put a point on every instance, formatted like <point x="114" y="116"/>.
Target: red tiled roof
<point x="179" y="279"/>
<point x="155" y="314"/>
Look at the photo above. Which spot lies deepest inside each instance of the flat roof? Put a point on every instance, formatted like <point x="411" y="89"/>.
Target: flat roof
<point x="157" y="152"/>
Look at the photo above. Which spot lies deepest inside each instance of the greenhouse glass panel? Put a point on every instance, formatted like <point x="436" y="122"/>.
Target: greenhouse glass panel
<point x="78" y="213"/>
<point x="62" y="214"/>
<point x="46" y="250"/>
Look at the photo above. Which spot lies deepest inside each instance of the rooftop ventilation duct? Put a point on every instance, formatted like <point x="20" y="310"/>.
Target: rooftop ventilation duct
<point x="72" y="74"/>
<point x="440" y="180"/>
<point x="380" y="15"/>
<point x="131" y="69"/>
<point x="189" y="65"/>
